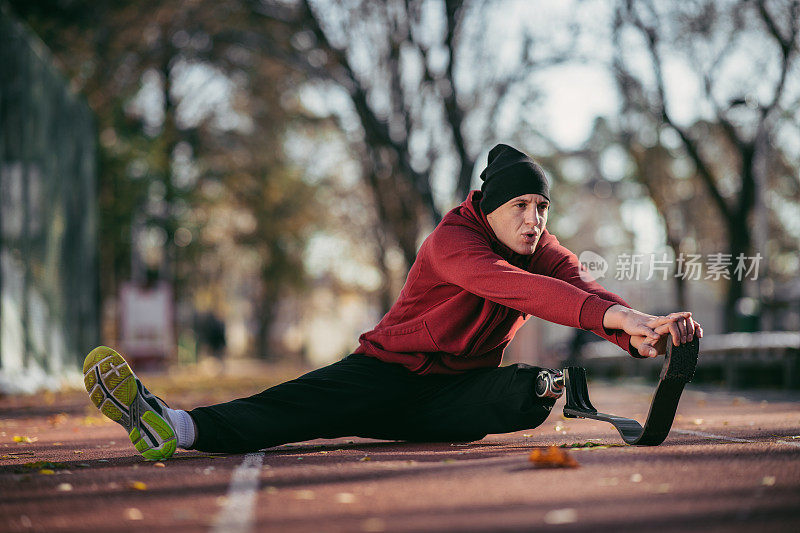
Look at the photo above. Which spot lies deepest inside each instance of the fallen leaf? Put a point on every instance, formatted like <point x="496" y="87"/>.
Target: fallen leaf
<point x="25" y="439"/>
<point x="64" y="487"/>
<point x="768" y="481"/>
<point x="47" y="471"/>
<point x="552" y="457"/>
<point x="697" y="421"/>
<point x="159" y="465"/>
<point x="365" y="458"/>
<point x="137" y="485"/>
<point x="636" y="478"/>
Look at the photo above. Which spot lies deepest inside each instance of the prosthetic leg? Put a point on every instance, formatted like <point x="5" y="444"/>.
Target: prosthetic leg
<point x="679" y="365"/>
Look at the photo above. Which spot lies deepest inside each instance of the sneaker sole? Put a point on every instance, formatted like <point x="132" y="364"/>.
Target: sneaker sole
<point x="115" y="390"/>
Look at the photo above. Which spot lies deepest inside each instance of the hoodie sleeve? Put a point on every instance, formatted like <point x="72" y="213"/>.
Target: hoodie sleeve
<point x="463" y="256"/>
<point x="560" y="263"/>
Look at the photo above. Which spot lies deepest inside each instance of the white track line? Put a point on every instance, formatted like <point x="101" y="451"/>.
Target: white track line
<point x="236" y="516"/>
<point x="711" y="435"/>
<point x="732" y="439"/>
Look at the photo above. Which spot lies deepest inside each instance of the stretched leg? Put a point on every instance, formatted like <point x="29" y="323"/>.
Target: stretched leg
<point x="358" y="395"/>
<point x="354" y="396"/>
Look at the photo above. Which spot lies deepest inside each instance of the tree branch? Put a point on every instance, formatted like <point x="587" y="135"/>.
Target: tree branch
<point x="691" y="146"/>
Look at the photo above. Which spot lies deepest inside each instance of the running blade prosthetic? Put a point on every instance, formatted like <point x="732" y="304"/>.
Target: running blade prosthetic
<point x="679" y="365"/>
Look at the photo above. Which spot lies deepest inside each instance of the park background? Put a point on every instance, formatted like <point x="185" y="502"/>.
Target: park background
<point x="198" y="181"/>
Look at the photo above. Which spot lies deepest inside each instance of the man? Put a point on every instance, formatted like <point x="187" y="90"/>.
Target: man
<point x="429" y="371"/>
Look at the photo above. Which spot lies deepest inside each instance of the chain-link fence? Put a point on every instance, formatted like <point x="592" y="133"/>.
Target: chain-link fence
<point x="48" y="216"/>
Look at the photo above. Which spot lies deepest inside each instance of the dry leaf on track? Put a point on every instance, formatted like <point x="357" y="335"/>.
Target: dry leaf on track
<point x="137" y="485"/>
<point x="552" y="457"/>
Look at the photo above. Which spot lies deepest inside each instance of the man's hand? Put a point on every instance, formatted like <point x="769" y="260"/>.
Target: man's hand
<point x="649" y="332"/>
<point x="630" y="321"/>
<point x="681" y="326"/>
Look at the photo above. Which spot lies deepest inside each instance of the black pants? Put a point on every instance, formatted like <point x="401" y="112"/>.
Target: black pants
<point x="362" y="396"/>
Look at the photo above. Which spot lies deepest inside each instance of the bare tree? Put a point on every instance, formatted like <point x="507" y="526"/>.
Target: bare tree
<point x="744" y="53"/>
<point x="415" y="72"/>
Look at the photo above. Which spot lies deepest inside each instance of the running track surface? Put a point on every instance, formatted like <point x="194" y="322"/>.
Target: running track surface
<point x="731" y="463"/>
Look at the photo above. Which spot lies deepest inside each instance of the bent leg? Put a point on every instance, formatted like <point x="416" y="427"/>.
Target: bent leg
<point x="467" y="407"/>
<point x="349" y="397"/>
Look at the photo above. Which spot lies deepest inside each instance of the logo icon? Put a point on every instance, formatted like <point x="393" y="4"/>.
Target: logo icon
<point x="593" y="266"/>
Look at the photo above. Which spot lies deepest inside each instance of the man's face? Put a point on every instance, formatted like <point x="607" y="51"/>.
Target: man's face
<point x="520" y="222"/>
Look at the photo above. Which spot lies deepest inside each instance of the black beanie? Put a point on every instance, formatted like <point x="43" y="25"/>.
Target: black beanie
<point x="509" y="174"/>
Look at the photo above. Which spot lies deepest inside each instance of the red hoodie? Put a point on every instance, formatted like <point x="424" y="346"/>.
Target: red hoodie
<point x="467" y="294"/>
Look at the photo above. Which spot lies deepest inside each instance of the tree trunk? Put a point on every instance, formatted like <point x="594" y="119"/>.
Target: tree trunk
<point x="740" y="244"/>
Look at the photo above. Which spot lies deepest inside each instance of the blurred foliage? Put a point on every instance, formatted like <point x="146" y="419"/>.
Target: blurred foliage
<point x="191" y="127"/>
<point x="409" y="94"/>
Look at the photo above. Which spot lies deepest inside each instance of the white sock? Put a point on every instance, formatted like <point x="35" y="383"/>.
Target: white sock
<point x="184" y="427"/>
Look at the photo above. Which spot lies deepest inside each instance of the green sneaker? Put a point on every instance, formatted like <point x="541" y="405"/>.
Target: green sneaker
<point x="118" y="393"/>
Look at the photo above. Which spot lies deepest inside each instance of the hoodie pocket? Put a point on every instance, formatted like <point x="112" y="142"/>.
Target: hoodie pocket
<point x="410" y="337"/>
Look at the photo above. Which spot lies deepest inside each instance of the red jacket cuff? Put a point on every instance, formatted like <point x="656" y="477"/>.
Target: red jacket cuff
<point x="592" y="312"/>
